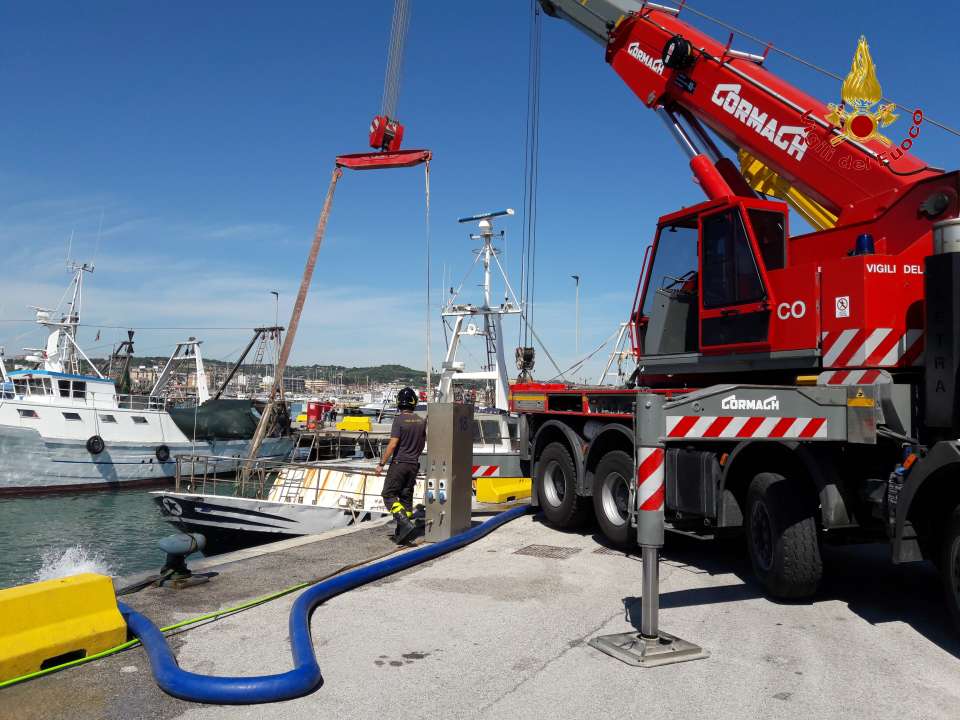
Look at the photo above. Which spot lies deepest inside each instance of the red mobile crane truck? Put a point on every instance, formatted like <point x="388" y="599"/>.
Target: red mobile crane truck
<point x="797" y="389"/>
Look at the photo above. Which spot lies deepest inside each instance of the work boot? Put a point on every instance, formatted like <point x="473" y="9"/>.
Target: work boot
<point x="405" y="528"/>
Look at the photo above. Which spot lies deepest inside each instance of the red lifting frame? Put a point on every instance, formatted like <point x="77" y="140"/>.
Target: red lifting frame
<point x="378" y="160"/>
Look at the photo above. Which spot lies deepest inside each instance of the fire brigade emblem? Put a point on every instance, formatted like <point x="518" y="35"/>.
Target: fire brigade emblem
<point x="861" y="92"/>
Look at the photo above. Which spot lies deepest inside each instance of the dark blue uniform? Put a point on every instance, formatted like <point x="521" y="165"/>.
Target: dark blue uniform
<point x="411" y="433"/>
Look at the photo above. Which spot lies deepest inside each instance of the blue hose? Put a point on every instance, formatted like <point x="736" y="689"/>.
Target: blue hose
<point x="305" y="676"/>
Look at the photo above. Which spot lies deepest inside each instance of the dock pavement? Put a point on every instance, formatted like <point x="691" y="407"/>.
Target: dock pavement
<point x="499" y="629"/>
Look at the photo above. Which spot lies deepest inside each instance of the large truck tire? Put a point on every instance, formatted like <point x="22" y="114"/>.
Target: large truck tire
<point x="611" y="496"/>
<point x="782" y="536"/>
<point x="949" y="565"/>
<point x="556" y="481"/>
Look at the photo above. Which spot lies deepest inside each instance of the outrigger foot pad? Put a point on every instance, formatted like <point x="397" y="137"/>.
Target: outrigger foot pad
<point x="635" y="649"/>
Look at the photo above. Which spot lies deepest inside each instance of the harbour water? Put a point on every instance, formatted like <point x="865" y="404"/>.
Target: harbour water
<point x="112" y="532"/>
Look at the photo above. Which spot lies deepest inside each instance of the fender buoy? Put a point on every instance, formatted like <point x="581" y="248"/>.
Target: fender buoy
<point x="163" y="453"/>
<point x="95" y="445"/>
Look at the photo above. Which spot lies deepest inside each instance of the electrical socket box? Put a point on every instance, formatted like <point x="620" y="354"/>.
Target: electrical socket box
<point x="448" y="492"/>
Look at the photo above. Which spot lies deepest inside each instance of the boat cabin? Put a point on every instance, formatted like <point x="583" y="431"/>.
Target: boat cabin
<point x="45" y="386"/>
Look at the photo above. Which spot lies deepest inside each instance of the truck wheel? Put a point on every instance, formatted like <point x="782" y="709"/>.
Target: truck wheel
<point x="949" y="566"/>
<point x="782" y="537"/>
<point x="611" y="496"/>
<point x="556" y="480"/>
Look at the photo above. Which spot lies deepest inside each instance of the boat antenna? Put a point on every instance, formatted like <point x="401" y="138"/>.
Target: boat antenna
<point x="96" y="247"/>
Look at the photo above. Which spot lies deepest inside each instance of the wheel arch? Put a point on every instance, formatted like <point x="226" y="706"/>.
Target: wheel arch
<point x="614" y="436"/>
<point x="556" y="431"/>
<point x="752" y="456"/>
<point x="925" y="501"/>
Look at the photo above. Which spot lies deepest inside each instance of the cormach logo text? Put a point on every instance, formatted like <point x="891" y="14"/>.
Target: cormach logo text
<point x="655" y="64"/>
<point x="732" y="402"/>
<point x="791" y="138"/>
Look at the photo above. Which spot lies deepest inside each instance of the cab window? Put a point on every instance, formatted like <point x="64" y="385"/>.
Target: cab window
<point x="730" y="275"/>
<point x="491" y="430"/>
<point x="675" y="262"/>
<point x="768" y="229"/>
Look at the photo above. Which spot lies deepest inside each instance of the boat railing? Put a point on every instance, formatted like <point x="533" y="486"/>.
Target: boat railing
<point x="140" y="402"/>
<point x="332" y="444"/>
<point x="277" y="480"/>
<point x="223" y="475"/>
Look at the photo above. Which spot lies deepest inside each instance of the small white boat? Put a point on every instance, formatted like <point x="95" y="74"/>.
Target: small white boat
<point x="276" y="500"/>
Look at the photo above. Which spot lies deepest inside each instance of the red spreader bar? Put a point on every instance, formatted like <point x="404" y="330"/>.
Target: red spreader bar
<point x="379" y="160"/>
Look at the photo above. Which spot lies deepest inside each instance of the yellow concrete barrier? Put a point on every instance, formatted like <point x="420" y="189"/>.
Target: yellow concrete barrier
<point x="54" y="621"/>
<point x="355" y="423"/>
<point x="498" y="490"/>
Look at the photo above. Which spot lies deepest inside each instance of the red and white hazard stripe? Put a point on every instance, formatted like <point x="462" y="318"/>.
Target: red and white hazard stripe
<point x="486" y="471"/>
<point x="853" y="377"/>
<point x="650" y="479"/>
<point x="880" y="347"/>
<point x="728" y="426"/>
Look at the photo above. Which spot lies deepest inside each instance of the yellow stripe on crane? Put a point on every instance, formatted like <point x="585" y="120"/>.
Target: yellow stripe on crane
<point x="764" y="180"/>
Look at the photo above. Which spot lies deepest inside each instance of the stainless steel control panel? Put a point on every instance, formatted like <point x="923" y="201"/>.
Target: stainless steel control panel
<point x="448" y="495"/>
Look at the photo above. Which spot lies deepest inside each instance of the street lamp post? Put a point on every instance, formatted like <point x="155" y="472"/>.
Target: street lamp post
<point x="576" y="279"/>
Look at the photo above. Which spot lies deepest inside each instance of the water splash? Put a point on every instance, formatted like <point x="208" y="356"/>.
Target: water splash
<point x="57" y="563"/>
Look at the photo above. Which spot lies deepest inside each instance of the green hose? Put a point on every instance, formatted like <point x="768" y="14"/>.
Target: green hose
<point x="192" y="621"/>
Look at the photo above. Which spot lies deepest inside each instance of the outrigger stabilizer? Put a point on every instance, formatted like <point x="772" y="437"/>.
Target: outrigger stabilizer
<point x="651" y="646"/>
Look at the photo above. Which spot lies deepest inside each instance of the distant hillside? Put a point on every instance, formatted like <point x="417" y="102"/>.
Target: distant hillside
<point x="398" y="374"/>
<point x="356" y="375"/>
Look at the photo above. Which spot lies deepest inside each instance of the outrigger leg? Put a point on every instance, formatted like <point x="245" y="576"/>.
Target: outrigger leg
<point x="651" y="646"/>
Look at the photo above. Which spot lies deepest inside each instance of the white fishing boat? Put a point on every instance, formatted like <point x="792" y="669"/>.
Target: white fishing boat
<point x="64" y="426"/>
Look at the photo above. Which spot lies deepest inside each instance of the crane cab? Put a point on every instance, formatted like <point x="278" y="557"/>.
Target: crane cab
<point x="718" y="293"/>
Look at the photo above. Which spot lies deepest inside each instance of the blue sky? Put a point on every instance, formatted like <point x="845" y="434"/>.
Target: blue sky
<point x="205" y="133"/>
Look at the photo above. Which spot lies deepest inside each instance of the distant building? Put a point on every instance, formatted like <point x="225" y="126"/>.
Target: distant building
<point x="316" y="386"/>
<point x="294" y="385"/>
<point x="143" y="375"/>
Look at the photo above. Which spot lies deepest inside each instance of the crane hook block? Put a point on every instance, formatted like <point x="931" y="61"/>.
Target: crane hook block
<point x="386" y="134"/>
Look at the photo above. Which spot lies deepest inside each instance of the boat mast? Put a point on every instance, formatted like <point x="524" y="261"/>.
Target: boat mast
<point x="71" y="321"/>
<point x="496" y="367"/>
<point x="188" y="349"/>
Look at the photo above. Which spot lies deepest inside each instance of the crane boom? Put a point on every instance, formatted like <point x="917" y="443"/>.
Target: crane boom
<point x="670" y="64"/>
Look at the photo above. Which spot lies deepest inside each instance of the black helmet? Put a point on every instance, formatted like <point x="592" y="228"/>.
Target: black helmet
<point x="407" y="399"/>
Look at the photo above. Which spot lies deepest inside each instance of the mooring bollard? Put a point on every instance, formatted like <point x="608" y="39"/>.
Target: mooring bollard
<point x="650" y="647"/>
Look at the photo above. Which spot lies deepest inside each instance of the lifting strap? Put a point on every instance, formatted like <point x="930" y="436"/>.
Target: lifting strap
<point x="426" y="189"/>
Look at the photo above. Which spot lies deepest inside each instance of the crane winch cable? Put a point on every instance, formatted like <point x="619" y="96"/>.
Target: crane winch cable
<point x="398" y="39"/>
<point x="386" y="132"/>
<point x="531" y="166"/>
<point x="426" y="182"/>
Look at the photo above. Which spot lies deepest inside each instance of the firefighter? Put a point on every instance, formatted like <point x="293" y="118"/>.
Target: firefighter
<point x="407" y="438"/>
